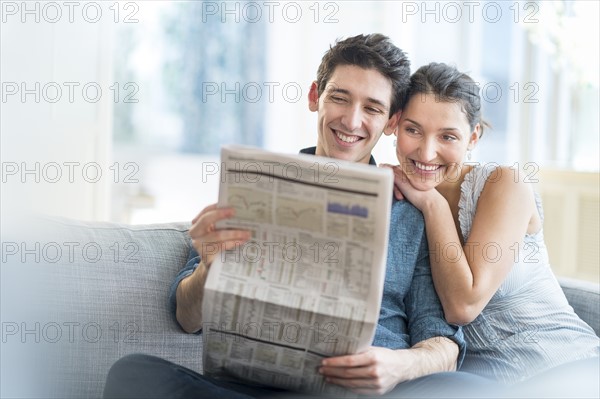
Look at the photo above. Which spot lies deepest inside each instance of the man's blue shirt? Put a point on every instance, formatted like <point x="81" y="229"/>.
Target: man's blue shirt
<point x="410" y="309"/>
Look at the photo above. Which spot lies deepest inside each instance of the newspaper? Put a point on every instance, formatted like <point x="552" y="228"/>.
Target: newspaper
<point x="308" y="285"/>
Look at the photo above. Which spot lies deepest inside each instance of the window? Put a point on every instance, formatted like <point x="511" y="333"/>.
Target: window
<point x="204" y="74"/>
<point x="199" y="84"/>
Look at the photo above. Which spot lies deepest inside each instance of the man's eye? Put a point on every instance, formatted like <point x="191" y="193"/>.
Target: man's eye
<point x="337" y="99"/>
<point x="373" y="110"/>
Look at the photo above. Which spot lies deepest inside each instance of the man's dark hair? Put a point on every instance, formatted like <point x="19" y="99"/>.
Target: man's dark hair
<point x="374" y="51"/>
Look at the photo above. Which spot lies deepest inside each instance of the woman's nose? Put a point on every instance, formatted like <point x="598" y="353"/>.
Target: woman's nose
<point x="428" y="150"/>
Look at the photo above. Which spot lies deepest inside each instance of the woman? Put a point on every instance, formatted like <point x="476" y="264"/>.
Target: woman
<point x="488" y="258"/>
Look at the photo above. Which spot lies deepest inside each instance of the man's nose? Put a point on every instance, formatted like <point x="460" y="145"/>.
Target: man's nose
<point x="352" y="118"/>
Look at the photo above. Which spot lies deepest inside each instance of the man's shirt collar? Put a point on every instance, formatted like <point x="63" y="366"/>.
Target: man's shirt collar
<point x="313" y="150"/>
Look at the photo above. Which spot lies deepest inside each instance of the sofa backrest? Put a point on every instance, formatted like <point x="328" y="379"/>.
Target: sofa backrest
<point x="584" y="297"/>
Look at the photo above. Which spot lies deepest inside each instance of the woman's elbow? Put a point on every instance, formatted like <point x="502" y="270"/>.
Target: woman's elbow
<point x="461" y="315"/>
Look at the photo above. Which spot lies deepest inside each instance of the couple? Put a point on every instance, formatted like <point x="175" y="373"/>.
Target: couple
<point x="521" y="326"/>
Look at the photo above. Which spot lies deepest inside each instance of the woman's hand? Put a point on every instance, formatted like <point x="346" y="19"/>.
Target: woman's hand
<point x="397" y="192"/>
<point x="210" y="241"/>
<point x="403" y="189"/>
<point x="373" y="372"/>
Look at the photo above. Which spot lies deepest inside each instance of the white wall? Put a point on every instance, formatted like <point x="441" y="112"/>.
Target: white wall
<point x="49" y="131"/>
<point x="80" y="131"/>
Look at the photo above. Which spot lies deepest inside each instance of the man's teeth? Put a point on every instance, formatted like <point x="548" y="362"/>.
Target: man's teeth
<point x="347" y="139"/>
<point x="425" y="167"/>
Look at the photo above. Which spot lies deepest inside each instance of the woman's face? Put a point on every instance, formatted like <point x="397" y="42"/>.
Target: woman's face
<point x="432" y="139"/>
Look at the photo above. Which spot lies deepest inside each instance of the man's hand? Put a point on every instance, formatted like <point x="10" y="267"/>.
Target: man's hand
<point x="378" y="370"/>
<point x="373" y="372"/>
<point x="210" y="241"/>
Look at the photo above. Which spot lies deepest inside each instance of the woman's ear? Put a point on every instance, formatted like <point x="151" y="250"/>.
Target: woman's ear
<point x="313" y="97"/>
<point x="392" y="126"/>
<point x="474" y="137"/>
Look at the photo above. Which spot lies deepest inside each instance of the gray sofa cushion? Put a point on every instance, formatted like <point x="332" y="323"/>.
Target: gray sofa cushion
<point x="584" y="297"/>
<point x="105" y="299"/>
<point x="66" y="319"/>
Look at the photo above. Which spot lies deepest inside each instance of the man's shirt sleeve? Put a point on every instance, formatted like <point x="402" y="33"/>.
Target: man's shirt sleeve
<point x="190" y="266"/>
<point x="424" y="309"/>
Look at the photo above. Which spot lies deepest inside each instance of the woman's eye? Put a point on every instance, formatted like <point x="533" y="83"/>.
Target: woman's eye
<point x="411" y="130"/>
<point x="449" y="138"/>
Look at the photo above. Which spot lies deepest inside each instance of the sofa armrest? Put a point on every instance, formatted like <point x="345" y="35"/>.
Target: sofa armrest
<point x="584" y="297"/>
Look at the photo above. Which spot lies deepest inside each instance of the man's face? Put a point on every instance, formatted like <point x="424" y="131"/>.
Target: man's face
<point x="353" y="112"/>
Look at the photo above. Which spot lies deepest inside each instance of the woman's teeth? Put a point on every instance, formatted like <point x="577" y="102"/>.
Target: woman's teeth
<point x="426" y="167"/>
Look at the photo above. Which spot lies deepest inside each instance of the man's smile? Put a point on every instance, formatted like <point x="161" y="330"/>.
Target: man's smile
<point x="348" y="139"/>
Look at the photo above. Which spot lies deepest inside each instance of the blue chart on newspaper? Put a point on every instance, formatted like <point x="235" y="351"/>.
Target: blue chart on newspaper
<point x="308" y="285"/>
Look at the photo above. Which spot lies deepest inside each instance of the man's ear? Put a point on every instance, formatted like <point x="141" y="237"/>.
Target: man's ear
<point x="392" y="124"/>
<point x="474" y="137"/>
<point x="313" y="97"/>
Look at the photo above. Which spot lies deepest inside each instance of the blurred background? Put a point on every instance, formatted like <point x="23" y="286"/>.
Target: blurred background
<point x="116" y="111"/>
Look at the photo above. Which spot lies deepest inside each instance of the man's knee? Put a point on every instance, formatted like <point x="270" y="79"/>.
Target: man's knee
<point x="126" y="371"/>
<point x="125" y="364"/>
<point x="455" y="384"/>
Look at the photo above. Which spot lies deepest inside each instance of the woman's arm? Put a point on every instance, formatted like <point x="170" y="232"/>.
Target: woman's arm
<point x="466" y="277"/>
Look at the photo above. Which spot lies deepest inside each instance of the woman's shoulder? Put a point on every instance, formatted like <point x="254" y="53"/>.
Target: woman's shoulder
<point x="491" y="184"/>
<point x="491" y="176"/>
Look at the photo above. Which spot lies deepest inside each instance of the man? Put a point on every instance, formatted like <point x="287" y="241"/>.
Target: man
<point x="357" y="96"/>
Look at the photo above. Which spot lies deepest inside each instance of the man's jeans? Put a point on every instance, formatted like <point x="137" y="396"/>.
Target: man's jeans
<point x="144" y="376"/>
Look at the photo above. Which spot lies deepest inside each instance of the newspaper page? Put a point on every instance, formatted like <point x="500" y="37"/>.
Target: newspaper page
<point x="308" y="285"/>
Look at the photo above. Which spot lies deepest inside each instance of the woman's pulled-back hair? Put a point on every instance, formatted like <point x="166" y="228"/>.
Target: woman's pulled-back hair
<point x="448" y="84"/>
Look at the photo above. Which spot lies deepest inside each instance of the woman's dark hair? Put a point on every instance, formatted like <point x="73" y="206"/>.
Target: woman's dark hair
<point x="448" y="84"/>
<point x="373" y="51"/>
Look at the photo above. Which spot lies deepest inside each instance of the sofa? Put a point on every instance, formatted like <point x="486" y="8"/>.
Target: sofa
<point x="66" y="319"/>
